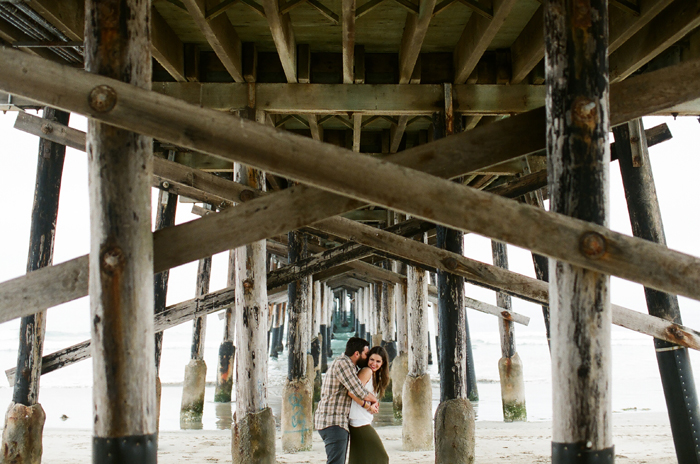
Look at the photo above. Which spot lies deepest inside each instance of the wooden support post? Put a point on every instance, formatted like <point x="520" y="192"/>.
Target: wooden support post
<point x="227" y="349"/>
<point x="192" y="405"/>
<point x="254" y="427"/>
<point x="282" y="339"/>
<point x="165" y="217"/>
<point x="387" y="319"/>
<point x="417" y="392"/>
<point x="378" y="305"/>
<point x="454" y="418"/>
<point x="121" y="247"/>
<point x="674" y="364"/>
<point x="297" y="404"/>
<point x="348" y="40"/>
<point x="578" y="122"/>
<point x="329" y="320"/>
<point x="323" y="328"/>
<point x="510" y="366"/>
<point x="24" y="421"/>
<point x="275" y="338"/>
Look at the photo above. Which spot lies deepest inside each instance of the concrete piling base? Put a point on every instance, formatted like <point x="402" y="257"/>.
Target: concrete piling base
<point x="399" y="370"/>
<point x="417" y="430"/>
<point x="455" y="432"/>
<point x="512" y="388"/>
<point x="224" y="378"/>
<point x="253" y="438"/>
<point x="297" y="421"/>
<point x="192" y="404"/>
<point x="21" y="437"/>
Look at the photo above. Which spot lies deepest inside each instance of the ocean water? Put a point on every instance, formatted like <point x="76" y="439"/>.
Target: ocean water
<point x="66" y="395"/>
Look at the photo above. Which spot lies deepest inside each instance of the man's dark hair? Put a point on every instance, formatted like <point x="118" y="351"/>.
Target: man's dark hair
<point x="355" y="344"/>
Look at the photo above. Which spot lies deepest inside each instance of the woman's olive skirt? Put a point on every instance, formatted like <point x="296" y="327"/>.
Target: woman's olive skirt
<point x="366" y="447"/>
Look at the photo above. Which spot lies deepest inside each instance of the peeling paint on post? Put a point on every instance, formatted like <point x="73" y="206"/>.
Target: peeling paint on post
<point x="417" y="428"/>
<point x="576" y="66"/>
<point x="254" y="425"/>
<point x="120" y="167"/>
<point x="297" y="408"/>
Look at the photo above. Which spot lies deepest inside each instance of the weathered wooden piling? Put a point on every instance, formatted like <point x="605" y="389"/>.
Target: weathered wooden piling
<point x="297" y="396"/>
<point x="281" y="339"/>
<point x="417" y="429"/>
<point x="227" y="349"/>
<point x="510" y="366"/>
<point x="317" y="340"/>
<point x="454" y="417"/>
<point x="399" y="366"/>
<point x="121" y="245"/>
<point x="362" y="313"/>
<point x="275" y="337"/>
<point x="387" y="320"/>
<point x="323" y="327"/>
<point x="329" y="322"/>
<point x="192" y="405"/>
<point x="378" y="304"/>
<point x="254" y="424"/>
<point x="24" y="420"/>
<point x="576" y="70"/>
<point x="674" y="363"/>
<point x="165" y="217"/>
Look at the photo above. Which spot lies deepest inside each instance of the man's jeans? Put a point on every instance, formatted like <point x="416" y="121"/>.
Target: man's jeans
<point x="336" y="440"/>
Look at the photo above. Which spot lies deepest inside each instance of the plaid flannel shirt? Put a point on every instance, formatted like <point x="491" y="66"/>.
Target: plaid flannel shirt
<point x="334" y="407"/>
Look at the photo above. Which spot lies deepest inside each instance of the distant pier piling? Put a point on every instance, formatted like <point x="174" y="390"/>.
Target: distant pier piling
<point x="417" y="432"/>
<point x="192" y="405"/>
<point x="510" y="366"/>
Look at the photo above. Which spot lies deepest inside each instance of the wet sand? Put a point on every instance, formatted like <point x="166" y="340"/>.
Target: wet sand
<point x="642" y="437"/>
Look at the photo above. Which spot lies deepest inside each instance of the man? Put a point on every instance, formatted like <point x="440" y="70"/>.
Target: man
<point x="331" y="419"/>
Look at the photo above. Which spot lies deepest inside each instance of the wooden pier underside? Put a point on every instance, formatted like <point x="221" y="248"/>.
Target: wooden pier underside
<point x="345" y="92"/>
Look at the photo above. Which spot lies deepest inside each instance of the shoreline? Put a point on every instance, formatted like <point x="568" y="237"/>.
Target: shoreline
<point x="641" y="437"/>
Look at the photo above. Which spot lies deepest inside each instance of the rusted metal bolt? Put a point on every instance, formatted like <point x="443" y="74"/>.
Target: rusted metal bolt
<point x="246" y="195"/>
<point x="247" y="284"/>
<point x="112" y="259"/>
<point x="46" y="128"/>
<point x="166" y="185"/>
<point x="450" y="263"/>
<point x="102" y="98"/>
<point x="593" y="245"/>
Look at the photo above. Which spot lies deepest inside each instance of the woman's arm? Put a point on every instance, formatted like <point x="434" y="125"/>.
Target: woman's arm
<point x="364" y="375"/>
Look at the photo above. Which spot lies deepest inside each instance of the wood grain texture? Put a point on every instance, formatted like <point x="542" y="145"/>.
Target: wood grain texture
<point x="117" y="45"/>
<point x="220" y="35"/>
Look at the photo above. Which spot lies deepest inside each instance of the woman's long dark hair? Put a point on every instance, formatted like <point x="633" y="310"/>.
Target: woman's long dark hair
<point x="380" y="379"/>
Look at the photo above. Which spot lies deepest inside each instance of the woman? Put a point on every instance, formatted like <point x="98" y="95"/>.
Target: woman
<point x="365" y="445"/>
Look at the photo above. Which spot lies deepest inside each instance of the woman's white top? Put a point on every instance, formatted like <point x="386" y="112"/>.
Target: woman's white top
<point x="358" y="415"/>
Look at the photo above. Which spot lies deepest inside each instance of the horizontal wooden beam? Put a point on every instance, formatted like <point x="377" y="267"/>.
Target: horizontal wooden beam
<point x="496" y="278"/>
<point x="217" y="134"/>
<point x="496" y="311"/>
<point x="381" y="99"/>
<point x="172" y="316"/>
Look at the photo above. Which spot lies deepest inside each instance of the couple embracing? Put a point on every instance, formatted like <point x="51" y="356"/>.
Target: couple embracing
<point x="349" y="399"/>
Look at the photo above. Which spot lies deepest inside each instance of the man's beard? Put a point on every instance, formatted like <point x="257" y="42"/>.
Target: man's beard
<point x="362" y="363"/>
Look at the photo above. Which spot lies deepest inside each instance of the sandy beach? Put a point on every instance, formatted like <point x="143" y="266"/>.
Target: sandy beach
<point x="642" y="437"/>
